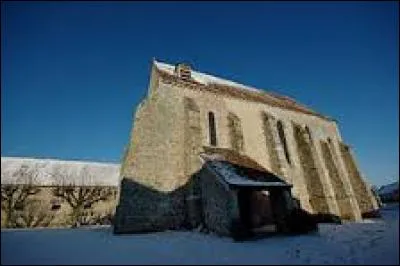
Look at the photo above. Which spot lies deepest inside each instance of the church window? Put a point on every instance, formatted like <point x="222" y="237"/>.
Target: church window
<point x="283" y="140"/>
<point x="211" y="126"/>
<point x="308" y="133"/>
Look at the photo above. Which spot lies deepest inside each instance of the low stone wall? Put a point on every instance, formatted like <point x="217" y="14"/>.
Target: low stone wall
<point x="56" y="193"/>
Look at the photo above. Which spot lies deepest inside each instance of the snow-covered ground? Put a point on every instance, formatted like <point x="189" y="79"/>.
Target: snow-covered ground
<point x="375" y="241"/>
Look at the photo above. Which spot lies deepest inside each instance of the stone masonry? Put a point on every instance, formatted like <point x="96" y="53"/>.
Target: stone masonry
<point x="172" y="126"/>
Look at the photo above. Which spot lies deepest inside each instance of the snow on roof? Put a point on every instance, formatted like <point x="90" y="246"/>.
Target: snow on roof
<point x="203" y="78"/>
<point x="233" y="178"/>
<point x="50" y="172"/>
<point x="235" y="89"/>
<point x="387" y="189"/>
<point x="235" y="173"/>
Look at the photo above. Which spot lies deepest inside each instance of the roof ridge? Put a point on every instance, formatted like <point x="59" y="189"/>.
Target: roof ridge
<point x="259" y="95"/>
<point x="215" y="78"/>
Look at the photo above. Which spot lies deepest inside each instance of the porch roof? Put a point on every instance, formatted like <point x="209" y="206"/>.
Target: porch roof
<point x="240" y="170"/>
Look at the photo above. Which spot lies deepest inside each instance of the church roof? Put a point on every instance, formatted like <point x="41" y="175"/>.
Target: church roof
<point x="240" y="170"/>
<point x="218" y="85"/>
<point x="203" y="78"/>
<point x="387" y="189"/>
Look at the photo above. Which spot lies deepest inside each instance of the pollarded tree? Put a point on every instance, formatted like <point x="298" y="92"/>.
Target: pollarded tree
<point x="80" y="196"/>
<point x="34" y="214"/>
<point x="16" y="194"/>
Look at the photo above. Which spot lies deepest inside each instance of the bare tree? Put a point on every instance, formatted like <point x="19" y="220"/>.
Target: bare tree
<point x="80" y="196"/>
<point x="34" y="214"/>
<point x="15" y="196"/>
<point x="88" y="217"/>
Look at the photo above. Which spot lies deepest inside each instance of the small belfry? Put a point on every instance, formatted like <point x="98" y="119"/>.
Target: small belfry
<point x="206" y="152"/>
<point x="183" y="71"/>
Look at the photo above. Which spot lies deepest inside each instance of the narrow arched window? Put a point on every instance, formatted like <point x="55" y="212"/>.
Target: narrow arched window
<point x="331" y="146"/>
<point x="213" y="131"/>
<point x="283" y="140"/>
<point x="308" y="133"/>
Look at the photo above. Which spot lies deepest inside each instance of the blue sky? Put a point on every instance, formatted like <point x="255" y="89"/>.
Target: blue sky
<point x="72" y="73"/>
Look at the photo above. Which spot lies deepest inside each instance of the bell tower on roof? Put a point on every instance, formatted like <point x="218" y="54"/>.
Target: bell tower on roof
<point x="183" y="70"/>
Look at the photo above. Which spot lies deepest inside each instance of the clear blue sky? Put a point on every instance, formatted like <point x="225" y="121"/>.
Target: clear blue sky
<point x="73" y="73"/>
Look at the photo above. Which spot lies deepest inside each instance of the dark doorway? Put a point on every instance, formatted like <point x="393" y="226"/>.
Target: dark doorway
<point x="244" y="207"/>
<point x="255" y="209"/>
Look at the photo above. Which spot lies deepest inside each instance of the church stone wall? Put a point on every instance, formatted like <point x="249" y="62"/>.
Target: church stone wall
<point x="156" y="156"/>
<point x="154" y="168"/>
<point x="254" y="134"/>
<point x="253" y="130"/>
<point x="172" y="126"/>
<point x="192" y="148"/>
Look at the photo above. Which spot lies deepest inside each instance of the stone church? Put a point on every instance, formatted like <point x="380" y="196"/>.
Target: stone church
<point x="208" y="152"/>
